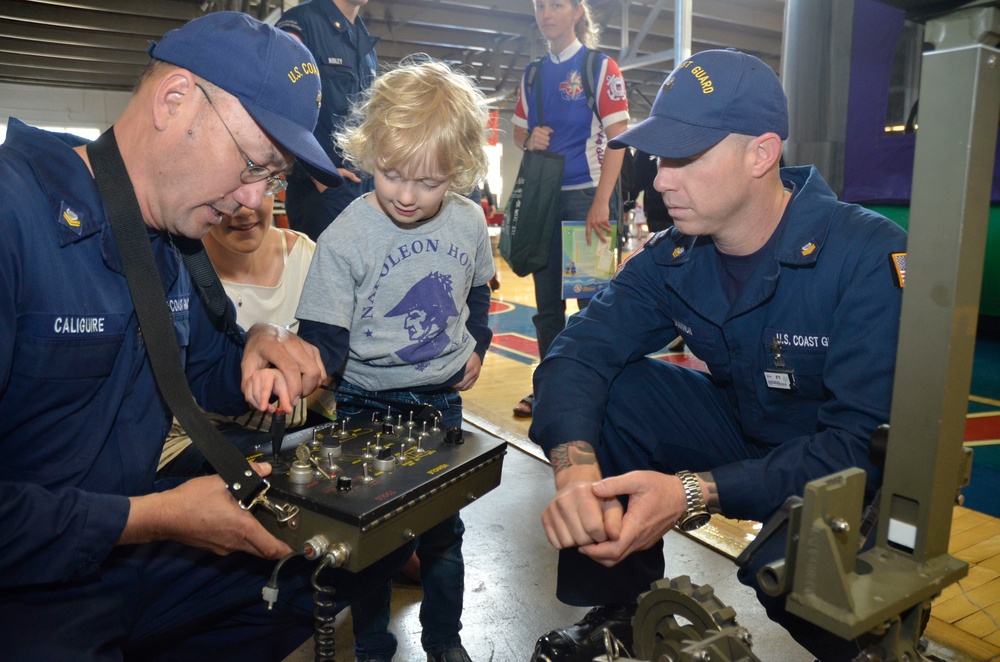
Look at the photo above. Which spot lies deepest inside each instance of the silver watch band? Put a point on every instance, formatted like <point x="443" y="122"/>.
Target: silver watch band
<point x="697" y="514"/>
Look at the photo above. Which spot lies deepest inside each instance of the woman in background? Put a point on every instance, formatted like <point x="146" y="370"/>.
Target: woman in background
<point x="581" y="134"/>
<point x="262" y="268"/>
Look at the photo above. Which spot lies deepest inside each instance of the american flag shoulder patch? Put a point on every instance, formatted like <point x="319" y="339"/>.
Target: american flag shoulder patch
<point x="898" y="261"/>
<point x="638" y="249"/>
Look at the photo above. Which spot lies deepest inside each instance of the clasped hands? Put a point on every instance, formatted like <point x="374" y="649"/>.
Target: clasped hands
<point x="587" y="513"/>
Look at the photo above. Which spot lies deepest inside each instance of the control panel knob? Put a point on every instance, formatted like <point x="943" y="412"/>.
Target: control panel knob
<point x="300" y="473"/>
<point x="453" y="436"/>
<point x="385" y="461"/>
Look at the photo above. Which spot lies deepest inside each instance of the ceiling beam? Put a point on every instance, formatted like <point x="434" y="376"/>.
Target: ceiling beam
<point x="70" y="66"/>
<point x="34" y="13"/>
<point x="71" y="37"/>
<point x="102" y="43"/>
<point x="15" y="45"/>
<point x="168" y="9"/>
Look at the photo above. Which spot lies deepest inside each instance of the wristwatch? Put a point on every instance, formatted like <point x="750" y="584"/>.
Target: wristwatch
<point x="697" y="514"/>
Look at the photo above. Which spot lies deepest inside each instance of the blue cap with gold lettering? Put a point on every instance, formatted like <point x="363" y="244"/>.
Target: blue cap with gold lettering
<point x="272" y="74"/>
<point x="710" y="95"/>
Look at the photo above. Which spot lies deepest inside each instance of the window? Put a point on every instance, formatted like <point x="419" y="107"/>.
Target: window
<point x="904" y="82"/>
<point x="87" y="133"/>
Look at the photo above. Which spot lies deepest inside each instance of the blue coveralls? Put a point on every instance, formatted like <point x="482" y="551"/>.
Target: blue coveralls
<point x="82" y="426"/>
<point x="347" y="63"/>
<point x="828" y="295"/>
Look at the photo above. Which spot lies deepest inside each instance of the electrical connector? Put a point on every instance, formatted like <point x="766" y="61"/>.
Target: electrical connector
<point x="270" y="590"/>
<point x="270" y="595"/>
<point x="315" y="547"/>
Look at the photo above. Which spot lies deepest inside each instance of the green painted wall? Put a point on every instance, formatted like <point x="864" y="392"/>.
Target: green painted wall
<point x="989" y="301"/>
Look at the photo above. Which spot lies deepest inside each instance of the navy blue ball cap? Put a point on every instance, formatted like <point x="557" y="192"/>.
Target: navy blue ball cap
<point x="271" y="73"/>
<point x="710" y="95"/>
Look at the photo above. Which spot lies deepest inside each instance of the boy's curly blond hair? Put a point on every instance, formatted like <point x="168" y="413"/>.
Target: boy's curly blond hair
<point x="422" y="109"/>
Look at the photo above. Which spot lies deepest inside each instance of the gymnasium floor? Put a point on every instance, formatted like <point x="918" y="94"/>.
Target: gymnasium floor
<point x="510" y="568"/>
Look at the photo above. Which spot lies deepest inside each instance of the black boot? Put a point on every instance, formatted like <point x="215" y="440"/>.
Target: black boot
<point x="584" y="640"/>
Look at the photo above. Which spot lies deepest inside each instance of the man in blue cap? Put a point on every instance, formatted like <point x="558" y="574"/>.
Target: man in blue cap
<point x="97" y="561"/>
<point x="789" y="296"/>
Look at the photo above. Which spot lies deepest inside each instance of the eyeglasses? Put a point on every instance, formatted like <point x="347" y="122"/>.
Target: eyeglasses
<point x="252" y="173"/>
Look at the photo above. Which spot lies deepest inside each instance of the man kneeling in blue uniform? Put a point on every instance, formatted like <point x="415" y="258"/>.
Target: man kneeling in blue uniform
<point x="97" y="562"/>
<point x="788" y="296"/>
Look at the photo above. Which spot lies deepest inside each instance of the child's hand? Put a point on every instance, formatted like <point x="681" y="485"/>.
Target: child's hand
<point x="472" y="368"/>
<point x="268" y="347"/>
<point x="262" y="387"/>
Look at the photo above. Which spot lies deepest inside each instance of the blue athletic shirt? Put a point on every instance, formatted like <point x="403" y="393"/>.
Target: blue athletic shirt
<point x="576" y="132"/>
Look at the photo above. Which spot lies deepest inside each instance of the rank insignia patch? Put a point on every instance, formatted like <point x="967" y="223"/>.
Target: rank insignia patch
<point x="70" y="219"/>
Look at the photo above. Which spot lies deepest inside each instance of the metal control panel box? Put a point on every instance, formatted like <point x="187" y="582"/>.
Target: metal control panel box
<point x="374" y="484"/>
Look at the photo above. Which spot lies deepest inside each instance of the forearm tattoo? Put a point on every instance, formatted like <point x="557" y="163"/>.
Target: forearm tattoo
<point x="711" y="491"/>
<point x="571" y="453"/>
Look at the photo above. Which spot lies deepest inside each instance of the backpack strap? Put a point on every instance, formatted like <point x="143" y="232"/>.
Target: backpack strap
<point x="591" y="64"/>
<point x="531" y="72"/>
<point x="532" y="81"/>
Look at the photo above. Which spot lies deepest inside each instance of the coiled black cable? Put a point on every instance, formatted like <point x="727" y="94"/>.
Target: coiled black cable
<point x="324" y="615"/>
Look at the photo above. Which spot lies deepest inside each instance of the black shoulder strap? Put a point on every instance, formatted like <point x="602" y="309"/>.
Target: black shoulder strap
<point x="210" y="288"/>
<point x="531" y="72"/>
<point x="155" y="320"/>
<point x="533" y="81"/>
<point x="591" y="63"/>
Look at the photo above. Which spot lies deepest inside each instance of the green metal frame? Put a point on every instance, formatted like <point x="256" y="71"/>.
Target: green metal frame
<point x="884" y="593"/>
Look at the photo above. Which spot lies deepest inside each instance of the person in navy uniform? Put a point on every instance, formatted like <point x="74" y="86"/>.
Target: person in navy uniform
<point x="98" y="561"/>
<point x="790" y="298"/>
<point x="334" y="33"/>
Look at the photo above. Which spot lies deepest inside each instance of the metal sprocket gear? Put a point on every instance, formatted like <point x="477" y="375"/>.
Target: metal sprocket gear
<point x="675" y="613"/>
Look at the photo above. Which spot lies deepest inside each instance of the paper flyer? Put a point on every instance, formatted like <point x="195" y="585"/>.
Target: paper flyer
<point x="586" y="269"/>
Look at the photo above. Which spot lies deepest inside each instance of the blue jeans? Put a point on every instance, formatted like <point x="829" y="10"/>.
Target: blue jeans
<point x="442" y="568"/>
<point x="551" y="316"/>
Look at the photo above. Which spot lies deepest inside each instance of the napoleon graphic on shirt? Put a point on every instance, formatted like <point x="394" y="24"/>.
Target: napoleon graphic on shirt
<point x="425" y="310"/>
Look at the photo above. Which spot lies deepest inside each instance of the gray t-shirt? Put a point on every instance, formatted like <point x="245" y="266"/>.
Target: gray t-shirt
<point x="400" y="290"/>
